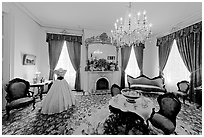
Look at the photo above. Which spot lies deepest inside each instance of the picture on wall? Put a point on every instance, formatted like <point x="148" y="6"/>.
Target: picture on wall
<point x="110" y="57"/>
<point x="29" y="59"/>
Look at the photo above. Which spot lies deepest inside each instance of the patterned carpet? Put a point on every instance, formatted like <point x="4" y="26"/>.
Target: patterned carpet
<point x="79" y="119"/>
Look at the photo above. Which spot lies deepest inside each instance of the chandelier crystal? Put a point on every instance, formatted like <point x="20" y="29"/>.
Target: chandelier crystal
<point x="134" y="29"/>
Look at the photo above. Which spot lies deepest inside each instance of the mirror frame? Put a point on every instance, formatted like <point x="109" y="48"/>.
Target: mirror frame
<point x="101" y="39"/>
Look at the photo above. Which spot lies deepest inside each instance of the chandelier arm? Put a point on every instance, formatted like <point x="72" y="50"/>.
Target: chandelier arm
<point x="132" y="32"/>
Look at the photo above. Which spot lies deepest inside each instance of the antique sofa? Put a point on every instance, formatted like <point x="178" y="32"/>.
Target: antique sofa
<point x="147" y="84"/>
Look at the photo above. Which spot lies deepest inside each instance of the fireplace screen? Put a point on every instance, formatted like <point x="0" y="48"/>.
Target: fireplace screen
<point x="102" y="84"/>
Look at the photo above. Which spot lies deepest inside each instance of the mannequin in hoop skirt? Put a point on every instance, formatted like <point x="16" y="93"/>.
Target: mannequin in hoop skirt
<point x="59" y="97"/>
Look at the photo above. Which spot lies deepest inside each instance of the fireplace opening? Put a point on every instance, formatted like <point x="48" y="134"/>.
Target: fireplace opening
<point x="102" y="84"/>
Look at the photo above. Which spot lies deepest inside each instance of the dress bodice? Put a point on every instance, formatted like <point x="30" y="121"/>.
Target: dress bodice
<point x="60" y="78"/>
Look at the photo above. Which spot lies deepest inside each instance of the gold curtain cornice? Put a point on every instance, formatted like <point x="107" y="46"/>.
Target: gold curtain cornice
<point x="69" y="38"/>
<point x="195" y="28"/>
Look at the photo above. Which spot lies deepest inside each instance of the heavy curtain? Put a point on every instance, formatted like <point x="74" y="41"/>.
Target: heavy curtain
<point x="189" y="42"/>
<point x="55" y="43"/>
<point x="125" y="55"/>
<point x="74" y="50"/>
<point x="139" y="56"/>
<point x="165" y="45"/>
<point x="54" y="49"/>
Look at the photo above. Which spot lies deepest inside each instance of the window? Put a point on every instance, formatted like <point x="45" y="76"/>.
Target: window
<point x="132" y="68"/>
<point x="175" y="70"/>
<point x="65" y="63"/>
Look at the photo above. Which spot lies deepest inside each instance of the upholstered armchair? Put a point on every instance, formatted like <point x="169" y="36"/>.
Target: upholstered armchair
<point x="18" y="95"/>
<point x="115" y="89"/>
<point x="183" y="90"/>
<point x="165" y="118"/>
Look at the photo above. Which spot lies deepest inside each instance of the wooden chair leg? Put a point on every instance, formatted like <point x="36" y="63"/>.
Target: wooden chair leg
<point x="34" y="105"/>
<point x="183" y="100"/>
<point x="189" y="99"/>
<point x="7" y="113"/>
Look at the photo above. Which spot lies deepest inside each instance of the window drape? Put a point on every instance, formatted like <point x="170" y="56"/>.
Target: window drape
<point x="189" y="43"/>
<point x="54" y="48"/>
<point x="175" y="69"/>
<point x="125" y="55"/>
<point x="164" y="49"/>
<point x="139" y="56"/>
<point x="74" y="50"/>
<point x="55" y="43"/>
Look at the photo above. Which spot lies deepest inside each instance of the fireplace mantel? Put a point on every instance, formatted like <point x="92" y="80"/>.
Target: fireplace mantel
<point x="101" y="71"/>
<point x="113" y="77"/>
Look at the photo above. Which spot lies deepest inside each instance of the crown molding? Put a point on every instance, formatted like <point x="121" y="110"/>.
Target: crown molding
<point x="184" y="22"/>
<point x="28" y="13"/>
<point x="57" y="29"/>
<point x="40" y="23"/>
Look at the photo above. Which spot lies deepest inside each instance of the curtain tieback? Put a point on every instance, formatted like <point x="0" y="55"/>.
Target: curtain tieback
<point x="122" y="70"/>
<point x="52" y="70"/>
<point x="78" y="70"/>
<point x="196" y="70"/>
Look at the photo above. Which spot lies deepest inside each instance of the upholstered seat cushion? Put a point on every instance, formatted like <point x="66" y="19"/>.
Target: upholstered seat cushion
<point x="163" y="123"/>
<point x="20" y="102"/>
<point x="150" y="88"/>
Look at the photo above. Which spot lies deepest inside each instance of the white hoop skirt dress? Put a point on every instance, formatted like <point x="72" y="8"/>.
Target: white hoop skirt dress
<point x="58" y="98"/>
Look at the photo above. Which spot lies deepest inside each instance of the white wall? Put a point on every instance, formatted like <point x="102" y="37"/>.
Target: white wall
<point x="29" y="39"/>
<point x="150" y="59"/>
<point x="26" y="37"/>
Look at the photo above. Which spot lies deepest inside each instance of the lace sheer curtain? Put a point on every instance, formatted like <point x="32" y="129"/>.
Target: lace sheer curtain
<point x="65" y="63"/>
<point x="175" y="69"/>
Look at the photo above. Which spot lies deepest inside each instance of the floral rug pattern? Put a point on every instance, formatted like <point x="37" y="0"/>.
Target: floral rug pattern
<point x="82" y="119"/>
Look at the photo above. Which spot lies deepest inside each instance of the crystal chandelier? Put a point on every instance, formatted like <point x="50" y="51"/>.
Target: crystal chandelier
<point x="134" y="29"/>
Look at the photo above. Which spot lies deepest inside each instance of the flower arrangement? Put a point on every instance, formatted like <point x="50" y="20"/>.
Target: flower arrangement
<point x="100" y="65"/>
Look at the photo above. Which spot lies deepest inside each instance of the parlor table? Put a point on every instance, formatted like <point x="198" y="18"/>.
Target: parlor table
<point x="40" y="86"/>
<point x="131" y="112"/>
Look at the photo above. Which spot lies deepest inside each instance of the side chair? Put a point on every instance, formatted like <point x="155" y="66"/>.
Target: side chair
<point x="115" y="89"/>
<point x="18" y="95"/>
<point x="183" y="90"/>
<point x="165" y="118"/>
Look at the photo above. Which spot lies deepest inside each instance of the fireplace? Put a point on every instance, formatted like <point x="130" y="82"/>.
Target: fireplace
<point x="100" y="80"/>
<point x="102" y="84"/>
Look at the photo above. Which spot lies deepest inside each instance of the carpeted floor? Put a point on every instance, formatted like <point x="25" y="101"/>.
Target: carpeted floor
<point x="77" y="119"/>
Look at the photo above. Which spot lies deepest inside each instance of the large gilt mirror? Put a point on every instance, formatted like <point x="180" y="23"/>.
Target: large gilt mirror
<point x="101" y="55"/>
